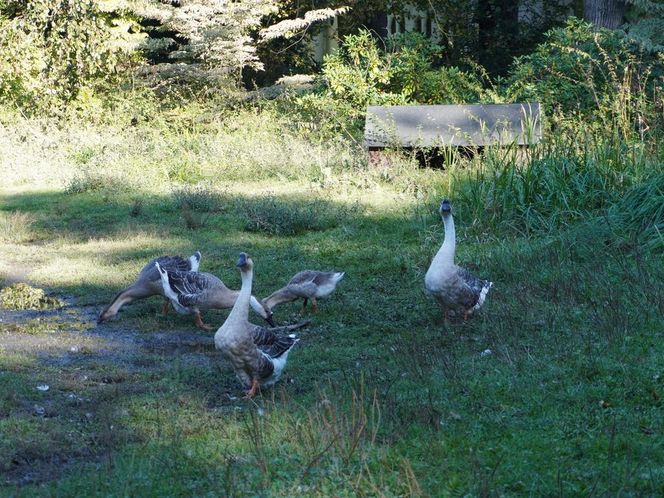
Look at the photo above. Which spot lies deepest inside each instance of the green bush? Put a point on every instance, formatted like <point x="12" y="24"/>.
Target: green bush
<point x="407" y="72"/>
<point x="54" y="54"/>
<point x="275" y="216"/>
<point x="596" y="74"/>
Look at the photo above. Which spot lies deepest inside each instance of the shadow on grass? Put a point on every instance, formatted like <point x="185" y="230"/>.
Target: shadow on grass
<point x="569" y="315"/>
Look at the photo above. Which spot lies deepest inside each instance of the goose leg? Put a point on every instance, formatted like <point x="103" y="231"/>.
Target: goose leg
<point x="199" y="322"/>
<point x="304" y="306"/>
<point x="166" y="307"/>
<point x="314" y="304"/>
<point x="465" y="315"/>
<point x="251" y="392"/>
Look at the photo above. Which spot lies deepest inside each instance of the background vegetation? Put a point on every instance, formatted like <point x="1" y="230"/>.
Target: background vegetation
<point x="113" y="154"/>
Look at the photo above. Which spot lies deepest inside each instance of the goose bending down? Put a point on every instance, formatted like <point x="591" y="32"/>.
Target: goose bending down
<point x="308" y="284"/>
<point x="258" y="357"/>
<point x="148" y="283"/>
<point x="192" y="293"/>
<point x="455" y="288"/>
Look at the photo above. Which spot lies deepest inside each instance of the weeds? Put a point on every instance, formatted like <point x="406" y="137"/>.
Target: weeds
<point x="21" y="296"/>
<point x="275" y="216"/>
<point x="197" y="203"/>
<point x="91" y="180"/>
<point x="16" y="227"/>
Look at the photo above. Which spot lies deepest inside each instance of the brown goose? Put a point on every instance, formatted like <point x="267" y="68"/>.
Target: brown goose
<point x="193" y="292"/>
<point x="258" y="357"/>
<point x="148" y="283"/>
<point x="455" y="288"/>
<point x="308" y="284"/>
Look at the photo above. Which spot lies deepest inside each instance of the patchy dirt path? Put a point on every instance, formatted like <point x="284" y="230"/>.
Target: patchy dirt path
<point x="69" y="387"/>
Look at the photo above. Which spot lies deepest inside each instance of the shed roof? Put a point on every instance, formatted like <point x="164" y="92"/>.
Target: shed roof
<point x="459" y="125"/>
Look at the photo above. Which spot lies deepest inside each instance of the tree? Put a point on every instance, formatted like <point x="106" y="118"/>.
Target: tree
<point x="605" y="13"/>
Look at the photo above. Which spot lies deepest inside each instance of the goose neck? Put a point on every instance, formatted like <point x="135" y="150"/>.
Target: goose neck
<point x="449" y="242"/>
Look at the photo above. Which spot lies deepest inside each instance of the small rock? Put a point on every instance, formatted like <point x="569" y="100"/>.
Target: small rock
<point x="39" y="410"/>
<point x="43" y="387"/>
<point x="484" y="353"/>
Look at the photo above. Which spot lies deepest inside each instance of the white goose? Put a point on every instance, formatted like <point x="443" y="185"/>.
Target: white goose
<point x="257" y="355"/>
<point x="455" y="288"/>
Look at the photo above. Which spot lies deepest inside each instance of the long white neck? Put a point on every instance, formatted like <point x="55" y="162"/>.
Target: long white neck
<point x="240" y="311"/>
<point x="445" y="255"/>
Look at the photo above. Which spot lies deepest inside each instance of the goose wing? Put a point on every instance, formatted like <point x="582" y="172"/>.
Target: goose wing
<point x="192" y="288"/>
<point x="168" y="263"/>
<point x="471" y="290"/>
<point x="304" y="283"/>
<point x="280" y="345"/>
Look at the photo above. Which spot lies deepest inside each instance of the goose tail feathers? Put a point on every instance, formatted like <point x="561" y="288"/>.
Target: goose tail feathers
<point x="485" y="290"/>
<point x="195" y="260"/>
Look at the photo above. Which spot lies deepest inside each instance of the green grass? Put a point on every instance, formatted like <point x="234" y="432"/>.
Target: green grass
<point x="381" y="397"/>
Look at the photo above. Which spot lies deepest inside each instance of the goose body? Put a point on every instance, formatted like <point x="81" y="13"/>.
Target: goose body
<point x="148" y="282"/>
<point x="455" y="288"/>
<point x="308" y="284"/>
<point x="257" y="355"/>
<point x="192" y="293"/>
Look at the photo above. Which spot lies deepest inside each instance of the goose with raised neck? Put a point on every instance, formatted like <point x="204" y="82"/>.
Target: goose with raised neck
<point x="455" y="288"/>
<point x="258" y="355"/>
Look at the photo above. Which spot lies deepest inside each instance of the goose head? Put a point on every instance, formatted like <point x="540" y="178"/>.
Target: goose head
<point x="445" y="208"/>
<point x="244" y="262"/>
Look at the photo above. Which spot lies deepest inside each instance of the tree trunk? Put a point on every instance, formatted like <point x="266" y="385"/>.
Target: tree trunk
<point x="604" y="13"/>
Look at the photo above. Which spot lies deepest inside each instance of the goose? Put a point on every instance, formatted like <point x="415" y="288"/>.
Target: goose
<point x="191" y="292"/>
<point x="148" y="283"/>
<point x="258" y="359"/>
<point x="455" y="288"/>
<point x="308" y="284"/>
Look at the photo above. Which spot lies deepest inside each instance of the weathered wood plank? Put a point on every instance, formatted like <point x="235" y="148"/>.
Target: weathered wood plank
<point x="457" y="125"/>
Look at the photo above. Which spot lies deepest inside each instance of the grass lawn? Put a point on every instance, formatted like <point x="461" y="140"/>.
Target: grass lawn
<point x="553" y="389"/>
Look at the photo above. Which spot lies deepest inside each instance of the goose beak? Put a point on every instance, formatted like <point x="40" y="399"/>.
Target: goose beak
<point x="445" y="206"/>
<point x="242" y="260"/>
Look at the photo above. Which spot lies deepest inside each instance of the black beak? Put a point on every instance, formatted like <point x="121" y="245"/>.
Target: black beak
<point x="270" y="320"/>
<point x="445" y="206"/>
<point x="242" y="260"/>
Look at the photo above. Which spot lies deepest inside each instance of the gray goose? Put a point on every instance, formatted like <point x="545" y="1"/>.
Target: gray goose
<point x="148" y="283"/>
<point x="308" y="284"/>
<point x="192" y="293"/>
<point x="258" y="356"/>
<point x="455" y="288"/>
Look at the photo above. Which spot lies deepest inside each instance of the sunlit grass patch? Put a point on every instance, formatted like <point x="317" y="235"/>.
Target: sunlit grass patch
<point x="16" y="227"/>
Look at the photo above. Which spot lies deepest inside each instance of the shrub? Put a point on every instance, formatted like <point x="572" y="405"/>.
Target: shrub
<point x="407" y="71"/>
<point x="596" y="74"/>
<point x="197" y="203"/>
<point x="275" y="216"/>
<point x="201" y="197"/>
<point x="56" y="53"/>
<point x="91" y="180"/>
